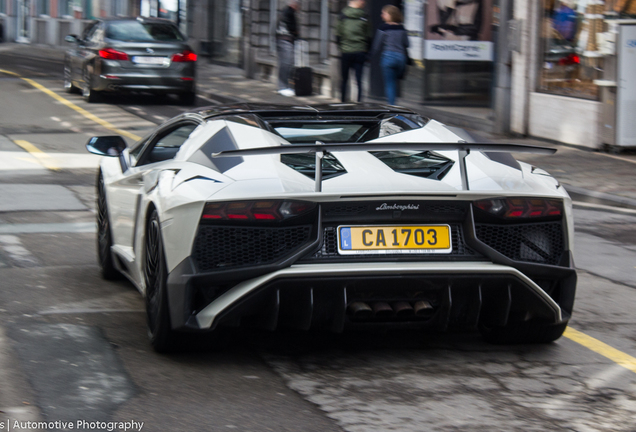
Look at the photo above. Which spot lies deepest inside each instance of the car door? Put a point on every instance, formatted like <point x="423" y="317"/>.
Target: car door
<point x="86" y="50"/>
<point x="126" y="193"/>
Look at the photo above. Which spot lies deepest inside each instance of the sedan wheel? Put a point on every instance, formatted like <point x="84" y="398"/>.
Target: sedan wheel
<point x="162" y="337"/>
<point x="68" y="82"/>
<point x="104" y="236"/>
<point x="89" y="94"/>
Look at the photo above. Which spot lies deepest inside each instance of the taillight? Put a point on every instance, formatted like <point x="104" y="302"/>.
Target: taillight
<point x="268" y="210"/>
<point x="111" y="54"/>
<point x="186" y="56"/>
<point x="519" y="208"/>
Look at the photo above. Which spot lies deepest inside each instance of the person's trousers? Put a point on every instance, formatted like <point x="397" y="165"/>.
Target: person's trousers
<point x="392" y="64"/>
<point x="347" y="61"/>
<point x="285" y="51"/>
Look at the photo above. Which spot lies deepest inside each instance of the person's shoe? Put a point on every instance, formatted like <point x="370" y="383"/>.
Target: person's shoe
<point x="287" y="92"/>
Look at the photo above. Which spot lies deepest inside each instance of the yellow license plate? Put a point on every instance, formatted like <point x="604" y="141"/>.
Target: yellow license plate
<point x="394" y="239"/>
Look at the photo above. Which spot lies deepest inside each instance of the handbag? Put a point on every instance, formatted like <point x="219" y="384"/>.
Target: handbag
<point x="409" y="62"/>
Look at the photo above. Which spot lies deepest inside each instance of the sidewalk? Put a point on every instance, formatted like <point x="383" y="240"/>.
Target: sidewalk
<point x="587" y="175"/>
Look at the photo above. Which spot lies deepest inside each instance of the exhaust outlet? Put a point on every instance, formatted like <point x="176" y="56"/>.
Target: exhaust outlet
<point x="403" y="309"/>
<point x="382" y="310"/>
<point x="422" y="307"/>
<point x="360" y="310"/>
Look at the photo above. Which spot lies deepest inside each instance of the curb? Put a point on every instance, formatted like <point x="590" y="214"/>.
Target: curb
<point x="594" y="197"/>
<point x="222" y="99"/>
<point x="9" y="50"/>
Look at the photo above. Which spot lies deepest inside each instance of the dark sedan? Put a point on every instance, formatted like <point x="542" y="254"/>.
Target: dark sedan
<point x="131" y="54"/>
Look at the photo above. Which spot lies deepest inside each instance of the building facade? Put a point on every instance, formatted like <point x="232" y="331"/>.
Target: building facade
<point x="536" y="64"/>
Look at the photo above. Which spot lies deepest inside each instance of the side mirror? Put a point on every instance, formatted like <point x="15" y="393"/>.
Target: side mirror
<point x="71" y="38"/>
<point x="112" y="145"/>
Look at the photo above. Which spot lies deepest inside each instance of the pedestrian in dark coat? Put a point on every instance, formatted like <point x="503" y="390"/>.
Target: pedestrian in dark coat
<point x="391" y="42"/>
<point x="353" y="34"/>
<point x="286" y="35"/>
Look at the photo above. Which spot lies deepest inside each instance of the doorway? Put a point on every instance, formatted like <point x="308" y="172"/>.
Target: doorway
<point x="24" y="23"/>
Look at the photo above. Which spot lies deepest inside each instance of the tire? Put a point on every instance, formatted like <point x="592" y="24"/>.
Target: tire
<point x="162" y="338"/>
<point x="90" y="95"/>
<point x="188" y="99"/>
<point x="523" y="333"/>
<point x="68" y="81"/>
<point x="104" y="234"/>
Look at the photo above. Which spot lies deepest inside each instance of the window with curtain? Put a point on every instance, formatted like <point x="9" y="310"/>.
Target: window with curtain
<point x="65" y="8"/>
<point x="43" y="7"/>
<point x="118" y="8"/>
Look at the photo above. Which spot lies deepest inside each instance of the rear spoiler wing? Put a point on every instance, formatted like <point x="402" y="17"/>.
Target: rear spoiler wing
<point x="321" y="149"/>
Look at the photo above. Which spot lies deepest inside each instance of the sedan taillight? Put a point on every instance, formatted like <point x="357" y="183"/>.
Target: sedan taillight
<point x="255" y="210"/>
<point x="111" y="54"/>
<point x="186" y="56"/>
<point x="520" y="208"/>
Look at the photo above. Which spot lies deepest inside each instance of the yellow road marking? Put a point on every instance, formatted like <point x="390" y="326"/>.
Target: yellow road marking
<point x="601" y="348"/>
<point x="42" y="157"/>
<point x="71" y="105"/>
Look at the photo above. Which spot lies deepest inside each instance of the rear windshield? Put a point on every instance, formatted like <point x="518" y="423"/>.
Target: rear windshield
<point x="308" y="131"/>
<point x="135" y="31"/>
<point x="297" y="133"/>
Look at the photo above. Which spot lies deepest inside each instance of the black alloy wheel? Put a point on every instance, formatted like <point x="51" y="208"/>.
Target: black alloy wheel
<point x="162" y="337"/>
<point x="104" y="235"/>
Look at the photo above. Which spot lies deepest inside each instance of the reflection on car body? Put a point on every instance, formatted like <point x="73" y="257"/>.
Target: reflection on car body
<point x="335" y="217"/>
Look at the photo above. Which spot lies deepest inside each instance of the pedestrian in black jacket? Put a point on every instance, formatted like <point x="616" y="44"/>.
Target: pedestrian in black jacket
<point x="353" y="35"/>
<point x="286" y="34"/>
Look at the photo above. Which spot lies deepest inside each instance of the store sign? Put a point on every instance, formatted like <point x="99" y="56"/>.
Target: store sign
<point x="458" y="50"/>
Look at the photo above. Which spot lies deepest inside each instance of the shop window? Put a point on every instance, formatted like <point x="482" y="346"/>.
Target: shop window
<point x="3" y="10"/>
<point x="571" y="52"/>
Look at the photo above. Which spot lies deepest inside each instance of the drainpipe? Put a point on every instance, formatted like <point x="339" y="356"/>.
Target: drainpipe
<point x="503" y="70"/>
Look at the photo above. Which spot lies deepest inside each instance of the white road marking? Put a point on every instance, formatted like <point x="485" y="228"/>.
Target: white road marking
<point x="35" y="228"/>
<point x="12" y="246"/>
<point x="11" y="161"/>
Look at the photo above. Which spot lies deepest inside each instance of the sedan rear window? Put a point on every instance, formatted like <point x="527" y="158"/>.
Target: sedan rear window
<point x="135" y="31"/>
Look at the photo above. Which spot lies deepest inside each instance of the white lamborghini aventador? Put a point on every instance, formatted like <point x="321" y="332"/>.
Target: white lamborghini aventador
<point x="335" y="217"/>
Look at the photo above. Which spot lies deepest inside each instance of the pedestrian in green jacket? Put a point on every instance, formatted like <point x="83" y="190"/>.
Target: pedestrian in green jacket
<point x="353" y="35"/>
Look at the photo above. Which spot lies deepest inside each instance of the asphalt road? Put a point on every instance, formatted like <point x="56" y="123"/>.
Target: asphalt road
<point x="74" y="347"/>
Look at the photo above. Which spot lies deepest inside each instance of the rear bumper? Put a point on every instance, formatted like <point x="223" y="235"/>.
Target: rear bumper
<point x="492" y="277"/>
<point x="320" y="295"/>
<point x="146" y="84"/>
<point x="168" y="80"/>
